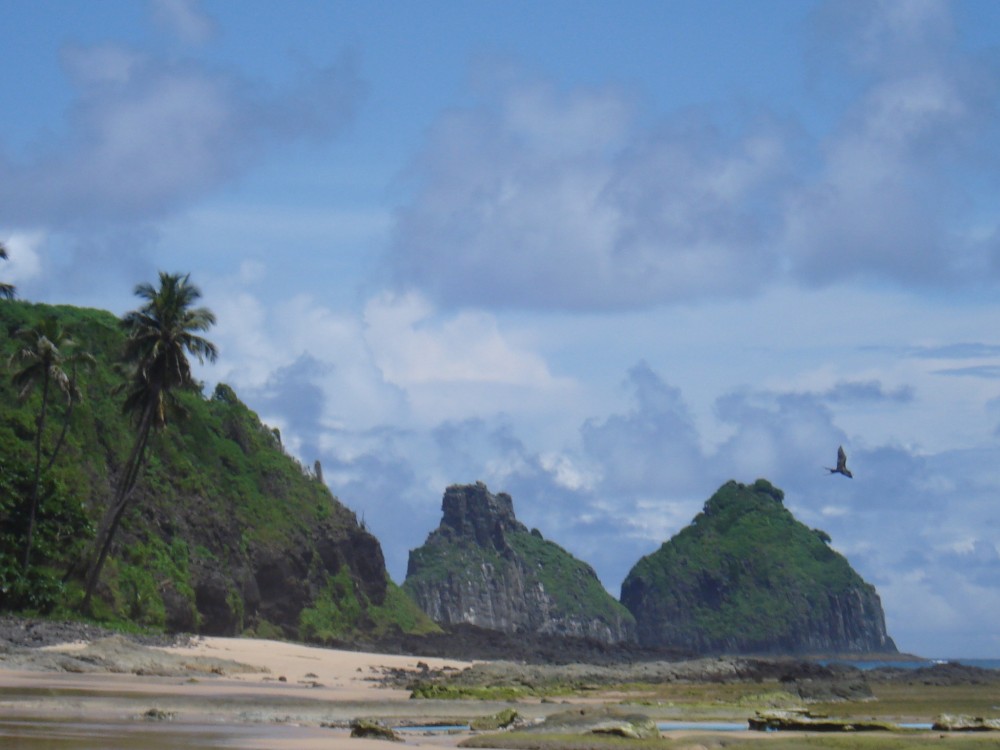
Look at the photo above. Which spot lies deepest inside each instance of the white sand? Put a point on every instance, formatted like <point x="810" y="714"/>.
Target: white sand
<point x="257" y="707"/>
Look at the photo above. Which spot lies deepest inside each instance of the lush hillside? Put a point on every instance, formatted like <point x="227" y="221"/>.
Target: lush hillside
<point x="747" y="577"/>
<point x="227" y="533"/>
<point x="483" y="567"/>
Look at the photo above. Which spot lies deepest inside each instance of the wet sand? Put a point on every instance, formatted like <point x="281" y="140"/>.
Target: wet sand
<point x="282" y="702"/>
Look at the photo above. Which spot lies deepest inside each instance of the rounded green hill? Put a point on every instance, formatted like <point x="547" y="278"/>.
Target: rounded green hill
<point x="746" y="577"/>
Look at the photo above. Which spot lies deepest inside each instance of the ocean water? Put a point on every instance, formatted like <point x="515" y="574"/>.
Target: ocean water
<point x="914" y="663"/>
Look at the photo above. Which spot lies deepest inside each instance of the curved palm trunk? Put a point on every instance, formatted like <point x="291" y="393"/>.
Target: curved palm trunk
<point x="113" y="516"/>
<point x="62" y="435"/>
<point x="38" y="473"/>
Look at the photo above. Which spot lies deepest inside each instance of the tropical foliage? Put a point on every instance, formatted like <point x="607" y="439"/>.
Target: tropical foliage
<point x="40" y="363"/>
<point x="160" y="335"/>
<point x="216" y="495"/>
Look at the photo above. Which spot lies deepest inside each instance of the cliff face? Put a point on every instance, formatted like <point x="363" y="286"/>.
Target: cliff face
<point x="226" y="532"/>
<point x="746" y="577"/>
<point x="482" y="566"/>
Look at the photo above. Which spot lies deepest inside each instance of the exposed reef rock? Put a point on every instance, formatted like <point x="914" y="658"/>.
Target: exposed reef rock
<point x="482" y="566"/>
<point x="746" y="577"/>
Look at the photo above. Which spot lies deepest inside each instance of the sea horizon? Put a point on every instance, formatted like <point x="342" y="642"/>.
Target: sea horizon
<point x="912" y="661"/>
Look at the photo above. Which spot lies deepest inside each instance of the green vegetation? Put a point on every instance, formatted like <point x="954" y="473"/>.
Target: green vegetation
<point x="572" y="584"/>
<point x="744" y="575"/>
<point x="435" y="691"/>
<point x="500" y="720"/>
<point x="40" y="364"/>
<point x="217" y="498"/>
<point x="343" y="613"/>
<point x="160" y="335"/>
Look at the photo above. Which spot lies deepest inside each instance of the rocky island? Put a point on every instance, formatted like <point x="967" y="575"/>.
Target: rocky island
<point x="484" y="567"/>
<point x="746" y="577"/>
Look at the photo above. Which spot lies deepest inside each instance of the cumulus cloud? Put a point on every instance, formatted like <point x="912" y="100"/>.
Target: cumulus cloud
<point x="412" y="348"/>
<point x="147" y="135"/>
<point x="626" y="210"/>
<point x="23" y="263"/>
<point x="889" y="199"/>
<point x="545" y="199"/>
<point x="652" y="447"/>
<point x="454" y="365"/>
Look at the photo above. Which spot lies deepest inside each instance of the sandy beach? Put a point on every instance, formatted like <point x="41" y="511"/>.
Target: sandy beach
<point x="216" y="692"/>
<point x="122" y="693"/>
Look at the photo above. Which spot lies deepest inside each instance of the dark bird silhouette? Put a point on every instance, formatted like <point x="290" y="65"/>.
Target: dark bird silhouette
<point x="841" y="464"/>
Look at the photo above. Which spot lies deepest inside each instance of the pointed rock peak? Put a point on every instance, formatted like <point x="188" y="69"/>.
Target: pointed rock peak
<point x="483" y="567"/>
<point x="471" y="510"/>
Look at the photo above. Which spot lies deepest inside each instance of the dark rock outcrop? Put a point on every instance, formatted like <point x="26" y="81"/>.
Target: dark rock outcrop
<point x="247" y="580"/>
<point x="746" y="577"/>
<point x="482" y="566"/>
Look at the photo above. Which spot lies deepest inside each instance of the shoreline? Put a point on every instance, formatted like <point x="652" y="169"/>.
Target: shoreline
<point x="215" y="692"/>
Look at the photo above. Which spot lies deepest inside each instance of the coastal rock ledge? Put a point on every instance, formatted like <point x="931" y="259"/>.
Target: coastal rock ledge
<point x="483" y="567"/>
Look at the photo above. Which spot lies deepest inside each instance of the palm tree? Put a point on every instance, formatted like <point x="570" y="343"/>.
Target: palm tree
<point x="6" y="290"/>
<point x="47" y="349"/>
<point x="160" y="335"/>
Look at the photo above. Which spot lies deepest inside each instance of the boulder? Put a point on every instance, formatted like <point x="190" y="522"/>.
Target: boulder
<point x="605" y="720"/>
<point x="962" y="723"/>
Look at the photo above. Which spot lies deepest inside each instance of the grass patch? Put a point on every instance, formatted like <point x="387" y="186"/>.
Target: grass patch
<point x="464" y="692"/>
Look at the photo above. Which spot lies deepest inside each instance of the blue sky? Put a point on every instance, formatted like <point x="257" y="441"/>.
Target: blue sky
<point x="604" y="257"/>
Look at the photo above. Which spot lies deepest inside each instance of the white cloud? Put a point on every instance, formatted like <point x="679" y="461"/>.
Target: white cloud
<point x="147" y="135"/>
<point x="23" y="260"/>
<point x="412" y="348"/>
<point x="544" y="199"/>
<point x="510" y="214"/>
<point x="185" y="19"/>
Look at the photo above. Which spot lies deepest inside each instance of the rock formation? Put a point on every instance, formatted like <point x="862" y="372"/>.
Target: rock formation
<point x="482" y="566"/>
<point x="746" y="577"/>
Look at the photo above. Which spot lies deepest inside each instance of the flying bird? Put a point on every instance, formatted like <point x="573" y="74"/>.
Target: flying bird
<point x="841" y="464"/>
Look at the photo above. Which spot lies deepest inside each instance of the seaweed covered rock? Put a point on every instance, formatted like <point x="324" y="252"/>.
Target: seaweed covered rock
<point x="483" y="567"/>
<point x="603" y="720"/>
<point x="746" y="577"/>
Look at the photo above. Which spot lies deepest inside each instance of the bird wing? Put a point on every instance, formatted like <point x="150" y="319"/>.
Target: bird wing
<point x="841" y="458"/>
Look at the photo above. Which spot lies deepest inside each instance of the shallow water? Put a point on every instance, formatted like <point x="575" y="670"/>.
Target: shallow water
<point x="79" y="734"/>
<point x="865" y="664"/>
<point x="708" y="726"/>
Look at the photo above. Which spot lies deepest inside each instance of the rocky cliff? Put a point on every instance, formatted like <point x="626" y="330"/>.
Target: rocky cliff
<point x="226" y="533"/>
<point x="746" y="577"/>
<point x="482" y="566"/>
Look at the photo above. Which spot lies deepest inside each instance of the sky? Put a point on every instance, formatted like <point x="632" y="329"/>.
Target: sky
<point x="604" y="257"/>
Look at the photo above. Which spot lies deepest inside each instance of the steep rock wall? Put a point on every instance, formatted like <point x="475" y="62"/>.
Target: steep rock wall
<point x="483" y="567"/>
